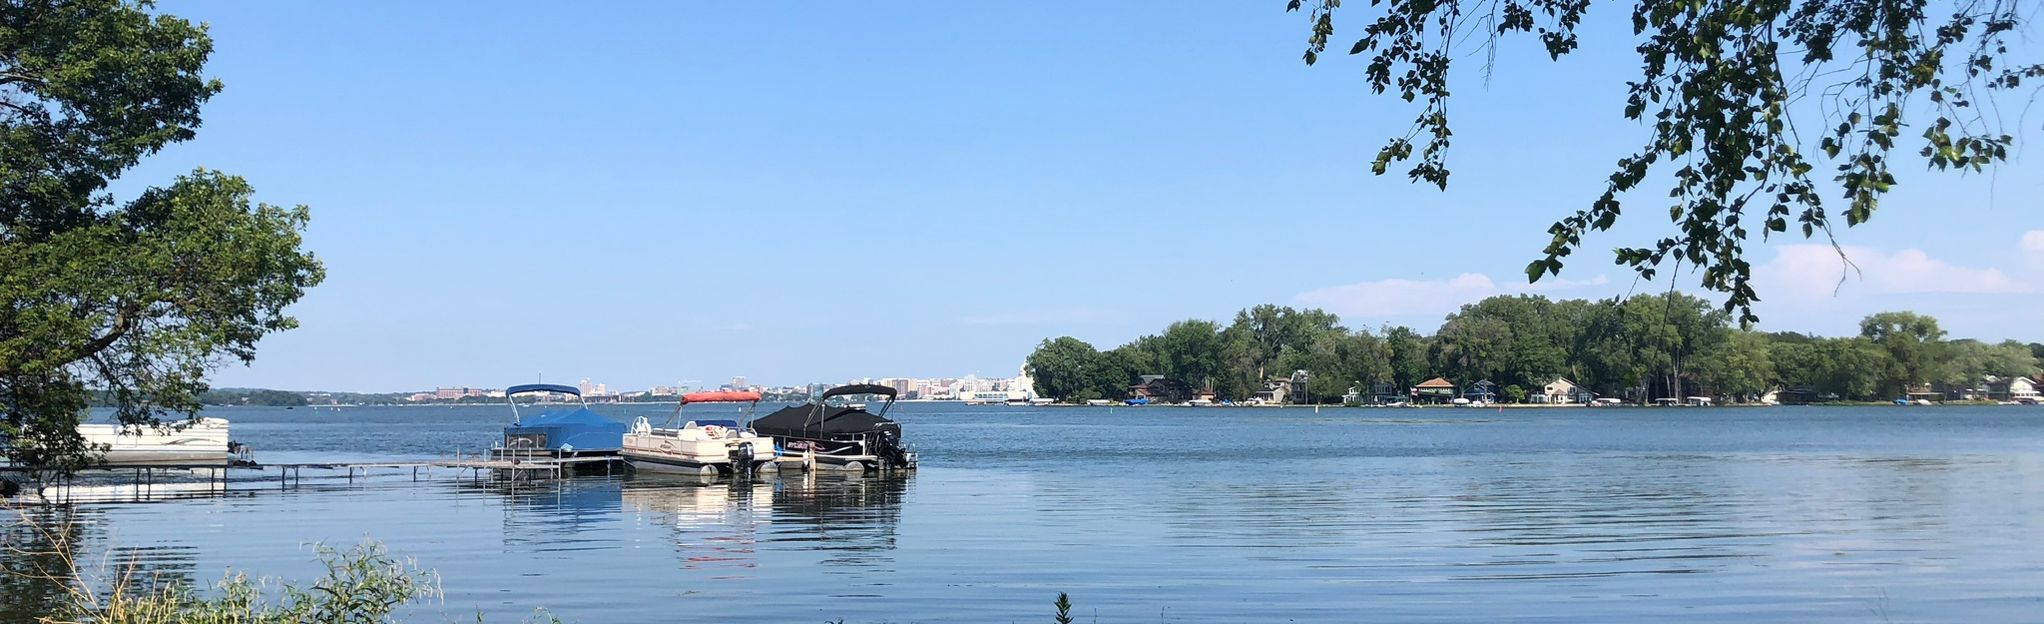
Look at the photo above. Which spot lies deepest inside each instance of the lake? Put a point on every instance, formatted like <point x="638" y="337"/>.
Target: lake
<point x="1789" y="514"/>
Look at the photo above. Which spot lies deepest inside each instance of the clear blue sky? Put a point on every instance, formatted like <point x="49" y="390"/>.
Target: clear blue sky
<point x="654" y="192"/>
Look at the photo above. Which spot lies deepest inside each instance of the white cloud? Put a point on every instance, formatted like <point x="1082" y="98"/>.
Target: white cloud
<point x="1376" y="300"/>
<point x="1812" y="272"/>
<point x="2033" y="248"/>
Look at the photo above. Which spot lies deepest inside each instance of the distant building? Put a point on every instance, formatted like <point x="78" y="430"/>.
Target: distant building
<point x="455" y="393"/>
<point x="1160" y="389"/>
<point x="1435" y="390"/>
<point x="1561" y="391"/>
<point x="1485" y="391"/>
<point x="2011" y="389"/>
<point x="1276" y="391"/>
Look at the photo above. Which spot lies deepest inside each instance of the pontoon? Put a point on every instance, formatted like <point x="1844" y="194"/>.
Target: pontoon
<point x="700" y="446"/>
<point x="200" y="441"/>
<point x="576" y="432"/>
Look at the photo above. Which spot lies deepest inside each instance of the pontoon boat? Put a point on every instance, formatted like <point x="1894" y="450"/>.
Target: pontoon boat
<point x="576" y="432"/>
<point x="837" y="436"/>
<point x="700" y="446"/>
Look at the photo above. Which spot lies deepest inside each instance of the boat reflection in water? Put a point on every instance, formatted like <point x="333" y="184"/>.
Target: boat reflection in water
<point x="714" y="522"/>
<point x="850" y="520"/>
<point x="722" y="524"/>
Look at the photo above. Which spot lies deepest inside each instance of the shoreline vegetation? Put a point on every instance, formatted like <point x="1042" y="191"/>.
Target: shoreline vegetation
<point x="362" y="584"/>
<point x="1638" y="349"/>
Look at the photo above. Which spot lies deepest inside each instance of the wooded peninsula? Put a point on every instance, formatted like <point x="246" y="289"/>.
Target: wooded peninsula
<point x="1639" y="348"/>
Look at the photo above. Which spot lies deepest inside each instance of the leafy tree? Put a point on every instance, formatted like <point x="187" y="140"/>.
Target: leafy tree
<point x="1796" y="363"/>
<point x="1853" y="368"/>
<point x="1515" y="394"/>
<point x="1718" y="91"/>
<point x="1407" y="353"/>
<point x="1742" y="366"/>
<point x="1915" y="347"/>
<point x="1968" y="362"/>
<point x="1065" y="368"/>
<point x="1192" y="352"/>
<point x="1119" y="368"/>
<point x="137" y="299"/>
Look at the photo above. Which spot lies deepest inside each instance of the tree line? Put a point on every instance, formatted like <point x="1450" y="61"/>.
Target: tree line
<point x="1642" y="347"/>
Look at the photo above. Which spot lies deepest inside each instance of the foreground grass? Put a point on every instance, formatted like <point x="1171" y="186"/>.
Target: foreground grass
<point x="364" y="584"/>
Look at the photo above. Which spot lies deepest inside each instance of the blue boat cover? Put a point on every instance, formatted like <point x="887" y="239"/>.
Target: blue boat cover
<point x="583" y="429"/>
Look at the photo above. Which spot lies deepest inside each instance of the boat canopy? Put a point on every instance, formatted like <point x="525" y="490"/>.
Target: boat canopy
<point x="721" y="396"/>
<point x="540" y="387"/>
<point x="582" y="429"/>
<point x="857" y="389"/>
<point x="817" y="421"/>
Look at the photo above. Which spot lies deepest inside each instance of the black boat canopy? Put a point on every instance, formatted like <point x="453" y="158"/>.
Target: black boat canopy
<point x="857" y="389"/>
<point x="816" y="421"/>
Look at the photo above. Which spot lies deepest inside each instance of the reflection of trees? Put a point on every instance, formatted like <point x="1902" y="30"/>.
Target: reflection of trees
<point x="43" y="558"/>
<point x="36" y="549"/>
<point x="853" y="520"/>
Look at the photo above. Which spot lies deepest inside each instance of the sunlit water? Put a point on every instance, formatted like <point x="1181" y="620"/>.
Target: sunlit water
<point x="1179" y="515"/>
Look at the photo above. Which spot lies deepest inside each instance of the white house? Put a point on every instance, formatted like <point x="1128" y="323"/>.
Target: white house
<point x="1561" y="391"/>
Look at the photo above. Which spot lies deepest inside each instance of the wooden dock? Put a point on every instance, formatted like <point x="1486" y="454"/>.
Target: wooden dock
<point x="495" y="467"/>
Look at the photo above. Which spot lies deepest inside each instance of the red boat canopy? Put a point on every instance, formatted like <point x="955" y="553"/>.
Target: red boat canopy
<point x="721" y="396"/>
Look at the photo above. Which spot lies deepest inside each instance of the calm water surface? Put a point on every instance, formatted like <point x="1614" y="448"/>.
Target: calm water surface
<point x="1180" y="515"/>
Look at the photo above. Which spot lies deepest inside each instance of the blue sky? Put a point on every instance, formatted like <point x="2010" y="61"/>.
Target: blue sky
<point x="656" y="192"/>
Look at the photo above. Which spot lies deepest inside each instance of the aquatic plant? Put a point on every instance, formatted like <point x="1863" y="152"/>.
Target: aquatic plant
<point x="364" y="584"/>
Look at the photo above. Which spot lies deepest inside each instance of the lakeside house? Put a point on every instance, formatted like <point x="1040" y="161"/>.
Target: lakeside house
<point x="1561" y="391"/>
<point x="1160" y="389"/>
<point x="1484" y="391"/>
<point x="1380" y="393"/>
<point x="2011" y="389"/>
<point x="1276" y="391"/>
<point x="1436" y="390"/>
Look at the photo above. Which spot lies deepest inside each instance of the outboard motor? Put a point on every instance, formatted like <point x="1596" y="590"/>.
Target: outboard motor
<point x="741" y="461"/>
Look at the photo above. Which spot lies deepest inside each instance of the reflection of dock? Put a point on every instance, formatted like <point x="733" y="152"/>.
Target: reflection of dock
<point x="176" y="480"/>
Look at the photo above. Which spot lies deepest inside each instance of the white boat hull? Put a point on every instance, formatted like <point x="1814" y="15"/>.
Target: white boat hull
<point x="691" y="451"/>
<point x="201" y="442"/>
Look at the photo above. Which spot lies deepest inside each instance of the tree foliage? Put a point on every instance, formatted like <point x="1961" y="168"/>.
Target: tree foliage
<point x="1718" y="89"/>
<point x="1064" y="367"/>
<point x="1915" y="347"/>
<point x="1643" y="347"/>
<point x="136" y="299"/>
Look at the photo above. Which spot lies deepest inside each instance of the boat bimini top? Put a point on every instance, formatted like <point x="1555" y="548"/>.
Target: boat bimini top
<point x="820" y="419"/>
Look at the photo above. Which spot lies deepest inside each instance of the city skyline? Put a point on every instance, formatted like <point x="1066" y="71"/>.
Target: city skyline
<point x="908" y="387"/>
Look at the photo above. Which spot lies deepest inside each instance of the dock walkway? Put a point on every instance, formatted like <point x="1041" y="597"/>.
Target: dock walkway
<point x="495" y="467"/>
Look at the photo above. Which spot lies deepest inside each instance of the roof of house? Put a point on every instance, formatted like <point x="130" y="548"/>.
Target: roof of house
<point x="1436" y="383"/>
